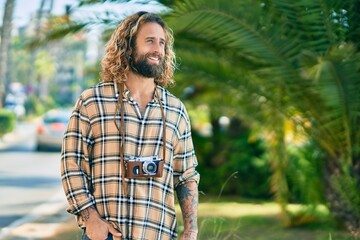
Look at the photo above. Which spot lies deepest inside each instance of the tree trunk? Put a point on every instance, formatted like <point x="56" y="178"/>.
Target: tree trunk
<point x="5" y="45"/>
<point x="33" y="52"/>
<point x="346" y="213"/>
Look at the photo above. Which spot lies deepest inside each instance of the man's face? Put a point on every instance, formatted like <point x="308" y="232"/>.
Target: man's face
<point x="148" y="54"/>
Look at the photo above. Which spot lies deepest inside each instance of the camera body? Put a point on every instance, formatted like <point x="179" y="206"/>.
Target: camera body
<point x="144" y="167"/>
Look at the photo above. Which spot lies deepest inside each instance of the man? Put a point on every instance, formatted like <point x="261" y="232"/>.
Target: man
<point x="128" y="143"/>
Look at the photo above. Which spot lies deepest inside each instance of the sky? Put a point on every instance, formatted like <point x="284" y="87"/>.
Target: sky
<point x="25" y="8"/>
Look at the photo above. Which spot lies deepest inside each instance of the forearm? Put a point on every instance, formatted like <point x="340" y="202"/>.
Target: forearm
<point x="188" y="197"/>
<point x="89" y="212"/>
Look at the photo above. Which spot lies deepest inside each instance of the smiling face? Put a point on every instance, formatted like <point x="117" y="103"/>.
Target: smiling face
<point x="148" y="53"/>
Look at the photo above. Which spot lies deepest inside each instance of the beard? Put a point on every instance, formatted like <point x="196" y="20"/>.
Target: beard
<point x="139" y="64"/>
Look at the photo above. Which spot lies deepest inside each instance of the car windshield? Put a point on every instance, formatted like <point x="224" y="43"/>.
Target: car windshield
<point x="10" y="104"/>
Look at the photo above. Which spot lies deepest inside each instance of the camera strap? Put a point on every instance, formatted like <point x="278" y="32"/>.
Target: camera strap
<point x="122" y="121"/>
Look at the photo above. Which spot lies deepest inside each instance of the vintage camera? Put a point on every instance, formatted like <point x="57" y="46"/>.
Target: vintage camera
<point x="144" y="167"/>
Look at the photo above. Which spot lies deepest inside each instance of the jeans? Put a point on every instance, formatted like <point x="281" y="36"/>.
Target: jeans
<point x="85" y="237"/>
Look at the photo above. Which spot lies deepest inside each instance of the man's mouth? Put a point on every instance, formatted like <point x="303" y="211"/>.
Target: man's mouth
<point x="154" y="58"/>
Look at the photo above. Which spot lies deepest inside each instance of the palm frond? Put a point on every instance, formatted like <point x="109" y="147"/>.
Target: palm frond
<point x="337" y="79"/>
<point x="275" y="52"/>
<point x="222" y="31"/>
<point x="56" y="34"/>
<point x="352" y="13"/>
<point x="315" y="23"/>
<point x="92" y="2"/>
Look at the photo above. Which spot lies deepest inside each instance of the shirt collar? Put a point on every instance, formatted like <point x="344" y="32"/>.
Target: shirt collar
<point x="126" y="92"/>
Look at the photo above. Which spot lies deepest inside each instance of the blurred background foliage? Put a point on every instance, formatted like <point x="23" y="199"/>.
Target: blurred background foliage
<point x="7" y="121"/>
<point x="290" y="72"/>
<point x="271" y="87"/>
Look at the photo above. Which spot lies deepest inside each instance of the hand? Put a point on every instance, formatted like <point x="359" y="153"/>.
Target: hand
<point x="96" y="227"/>
<point x="99" y="230"/>
<point x="188" y="235"/>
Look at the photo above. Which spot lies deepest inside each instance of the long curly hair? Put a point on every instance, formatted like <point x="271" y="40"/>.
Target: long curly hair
<point x="115" y="63"/>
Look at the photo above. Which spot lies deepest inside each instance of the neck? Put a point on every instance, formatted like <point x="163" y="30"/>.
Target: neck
<point x="139" y="85"/>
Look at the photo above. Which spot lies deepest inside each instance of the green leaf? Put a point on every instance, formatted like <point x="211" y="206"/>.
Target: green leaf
<point x="56" y="34"/>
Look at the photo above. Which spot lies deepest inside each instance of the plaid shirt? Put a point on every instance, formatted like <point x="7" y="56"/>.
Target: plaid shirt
<point x="90" y="161"/>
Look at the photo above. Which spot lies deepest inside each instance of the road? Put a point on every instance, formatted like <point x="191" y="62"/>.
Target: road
<point x="30" y="184"/>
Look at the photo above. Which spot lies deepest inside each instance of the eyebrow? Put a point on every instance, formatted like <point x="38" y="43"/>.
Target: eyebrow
<point x="161" y="39"/>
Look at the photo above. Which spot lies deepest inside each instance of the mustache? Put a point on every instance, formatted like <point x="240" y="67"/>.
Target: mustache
<point x="157" y="55"/>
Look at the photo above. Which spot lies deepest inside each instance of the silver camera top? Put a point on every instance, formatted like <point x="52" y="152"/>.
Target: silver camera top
<point x="143" y="159"/>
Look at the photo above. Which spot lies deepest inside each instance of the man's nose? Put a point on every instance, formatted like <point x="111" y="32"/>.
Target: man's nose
<point x="158" y="48"/>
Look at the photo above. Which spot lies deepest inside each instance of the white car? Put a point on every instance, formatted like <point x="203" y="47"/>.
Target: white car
<point x="50" y="131"/>
<point x="17" y="109"/>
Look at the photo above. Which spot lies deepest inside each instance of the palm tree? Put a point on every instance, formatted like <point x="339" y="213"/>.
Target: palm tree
<point x="302" y="59"/>
<point x="5" y="45"/>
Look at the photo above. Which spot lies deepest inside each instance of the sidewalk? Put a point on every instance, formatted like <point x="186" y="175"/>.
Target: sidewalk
<point x="46" y="220"/>
<point x="48" y="227"/>
<point x="19" y="135"/>
<point x="11" y="139"/>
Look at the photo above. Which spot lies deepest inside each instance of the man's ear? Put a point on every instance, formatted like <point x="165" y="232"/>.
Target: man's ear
<point x="128" y="55"/>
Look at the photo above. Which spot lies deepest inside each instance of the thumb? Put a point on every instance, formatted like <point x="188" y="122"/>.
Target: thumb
<point x="113" y="231"/>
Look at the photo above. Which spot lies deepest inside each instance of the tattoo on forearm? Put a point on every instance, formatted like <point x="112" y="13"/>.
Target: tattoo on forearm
<point x="86" y="213"/>
<point x="188" y="200"/>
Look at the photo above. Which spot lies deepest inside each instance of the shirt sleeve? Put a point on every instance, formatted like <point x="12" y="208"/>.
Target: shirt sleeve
<point x="75" y="166"/>
<point x="185" y="161"/>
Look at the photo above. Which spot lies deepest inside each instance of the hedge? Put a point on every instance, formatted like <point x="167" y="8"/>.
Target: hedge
<point x="7" y="121"/>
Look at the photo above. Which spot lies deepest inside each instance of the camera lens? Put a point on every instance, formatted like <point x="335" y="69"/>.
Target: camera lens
<point x="149" y="167"/>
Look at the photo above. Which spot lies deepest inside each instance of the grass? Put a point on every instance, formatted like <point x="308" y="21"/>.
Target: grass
<point x="261" y="228"/>
<point x="233" y="219"/>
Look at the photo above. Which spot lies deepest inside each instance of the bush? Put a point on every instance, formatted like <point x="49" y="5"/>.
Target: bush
<point x="7" y="121"/>
<point x="225" y="153"/>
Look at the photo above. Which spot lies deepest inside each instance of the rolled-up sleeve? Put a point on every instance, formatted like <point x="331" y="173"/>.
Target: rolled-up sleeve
<point x="75" y="164"/>
<point x="185" y="161"/>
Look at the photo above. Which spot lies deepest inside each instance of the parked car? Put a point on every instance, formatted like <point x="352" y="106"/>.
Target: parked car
<point x="15" y="99"/>
<point x="17" y="108"/>
<point x="51" y="129"/>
